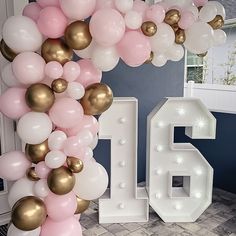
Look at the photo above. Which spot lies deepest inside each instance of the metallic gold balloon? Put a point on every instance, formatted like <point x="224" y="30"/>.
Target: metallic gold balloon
<point x="39" y="97"/>
<point x="29" y="213"/>
<point x="217" y="23"/>
<point x="61" y="181"/>
<point x="180" y="36"/>
<point x="77" y="35"/>
<point x="202" y="54"/>
<point x="82" y="205"/>
<point x="175" y="27"/>
<point x="56" y="50"/>
<point x="172" y="17"/>
<point x="6" y="51"/>
<point x="149" y="60"/>
<point x="97" y="99"/>
<point x="149" y="28"/>
<point x="31" y="174"/>
<point x="74" y="164"/>
<point x="36" y="153"/>
<point x="59" y="85"/>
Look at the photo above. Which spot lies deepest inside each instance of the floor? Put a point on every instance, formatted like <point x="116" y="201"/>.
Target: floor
<point x="219" y="219"/>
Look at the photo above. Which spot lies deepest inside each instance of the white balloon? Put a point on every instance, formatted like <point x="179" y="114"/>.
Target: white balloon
<point x="92" y="182"/>
<point x="8" y="77"/>
<point x="75" y="90"/>
<point x="159" y="60"/>
<point x="220" y="37"/>
<point x="55" y="159"/>
<point x="133" y="19"/>
<point x="194" y="10"/>
<point x="175" y="53"/>
<point x="13" y="231"/>
<point x="88" y="153"/>
<point x="124" y="5"/>
<point x="34" y="127"/>
<point x="41" y="188"/>
<point x="21" y="34"/>
<point x="56" y="140"/>
<point x="220" y="9"/>
<point x="101" y="4"/>
<point x="180" y="3"/>
<point x="208" y="12"/>
<point x="105" y="58"/>
<point x="87" y="52"/>
<point x="21" y="188"/>
<point x="94" y="144"/>
<point x="85" y="137"/>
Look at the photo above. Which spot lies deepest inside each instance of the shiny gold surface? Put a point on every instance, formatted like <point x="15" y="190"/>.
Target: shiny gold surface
<point x="59" y="85"/>
<point x="149" y="28"/>
<point x="74" y="164"/>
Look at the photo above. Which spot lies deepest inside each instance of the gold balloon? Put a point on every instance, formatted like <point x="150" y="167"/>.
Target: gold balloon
<point x="175" y="27"/>
<point x="59" y="85"/>
<point x="180" y="36"/>
<point x="97" y="99"/>
<point x="31" y="174"/>
<point x="74" y="164"/>
<point x="29" y="213"/>
<point x="202" y="54"/>
<point x="172" y="17"/>
<point x="149" y="60"/>
<point x="39" y="97"/>
<point x="36" y="153"/>
<point x="82" y="205"/>
<point x="217" y="23"/>
<point x="6" y="51"/>
<point x="77" y="35"/>
<point x="61" y="181"/>
<point x="149" y="28"/>
<point x="56" y="50"/>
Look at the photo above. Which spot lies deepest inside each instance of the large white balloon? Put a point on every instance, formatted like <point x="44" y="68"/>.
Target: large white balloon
<point x="220" y="9"/>
<point x="34" y="127"/>
<point x="159" y="60"/>
<point x="13" y="231"/>
<point x="175" y="53"/>
<point x="133" y="19"/>
<point x="220" y="37"/>
<point x="87" y="52"/>
<point x="21" y="34"/>
<point x="56" y="140"/>
<point x="94" y="144"/>
<point x="92" y="182"/>
<point x="208" y="12"/>
<point x="124" y="5"/>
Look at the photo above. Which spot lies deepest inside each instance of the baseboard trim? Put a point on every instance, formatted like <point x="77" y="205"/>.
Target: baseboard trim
<point x="5" y="218"/>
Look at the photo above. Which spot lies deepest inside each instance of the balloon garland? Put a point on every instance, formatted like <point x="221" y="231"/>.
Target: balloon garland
<point x="55" y="99"/>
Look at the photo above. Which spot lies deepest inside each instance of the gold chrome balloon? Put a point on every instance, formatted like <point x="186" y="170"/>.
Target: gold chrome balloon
<point x="149" y="60"/>
<point x="149" y="28"/>
<point x="39" y="97"/>
<point x="180" y="36"/>
<point x="172" y="17"/>
<point x="31" y="174"/>
<point x="59" y="85"/>
<point x="56" y="50"/>
<point x="77" y="35"/>
<point x="36" y="153"/>
<point x="202" y="54"/>
<point x="97" y="99"/>
<point x="6" y="51"/>
<point x="29" y="213"/>
<point x="175" y="27"/>
<point x="61" y="181"/>
<point x="82" y="205"/>
<point x="74" y="164"/>
<point x="217" y="23"/>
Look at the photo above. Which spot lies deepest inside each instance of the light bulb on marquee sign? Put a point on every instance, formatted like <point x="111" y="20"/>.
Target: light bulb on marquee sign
<point x="167" y="162"/>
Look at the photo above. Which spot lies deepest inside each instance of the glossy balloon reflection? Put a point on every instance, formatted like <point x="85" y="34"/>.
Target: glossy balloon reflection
<point x="74" y="164"/>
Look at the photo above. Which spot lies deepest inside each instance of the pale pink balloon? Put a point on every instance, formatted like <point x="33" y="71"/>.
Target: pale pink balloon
<point x="134" y="48"/>
<point x="42" y="170"/>
<point x="47" y="3"/>
<point x="13" y="165"/>
<point x="140" y="6"/>
<point x="66" y="112"/>
<point x="187" y="20"/>
<point x="12" y="103"/>
<point x="155" y="13"/>
<point x="60" y="207"/>
<point x="199" y="3"/>
<point x="77" y="217"/>
<point x="101" y="4"/>
<point x="89" y="74"/>
<point x="107" y="32"/>
<point x="68" y="227"/>
<point x="72" y="147"/>
<point x="52" y="22"/>
<point x="53" y="69"/>
<point x="32" y="10"/>
<point x="71" y="71"/>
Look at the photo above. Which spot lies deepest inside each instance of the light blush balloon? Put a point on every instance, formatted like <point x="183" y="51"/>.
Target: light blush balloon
<point x="71" y="71"/>
<point x="32" y="10"/>
<point x="42" y="170"/>
<point x="140" y="7"/>
<point x="53" y="69"/>
<point x="156" y="13"/>
<point x="187" y="20"/>
<point x="56" y="140"/>
<point x="47" y="3"/>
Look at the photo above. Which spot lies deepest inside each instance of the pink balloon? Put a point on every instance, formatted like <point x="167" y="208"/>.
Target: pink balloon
<point x="13" y="165"/>
<point x="156" y="13"/>
<point x="53" y="70"/>
<point x="47" y="3"/>
<point x="68" y="227"/>
<point x="89" y="74"/>
<point x="32" y="10"/>
<point x="107" y="32"/>
<point x="71" y="71"/>
<point x="72" y="147"/>
<point x="52" y="22"/>
<point x="140" y="6"/>
<point x="101" y="4"/>
<point x="77" y="217"/>
<point x="187" y="20"/>
<point x="199" y="3"/>
<point x="60" y="207"/>
<point x="12" y="103"/>
<point x="42" y="170"/>
<point x="66" y="112"/>
<point x="134" y="48"/>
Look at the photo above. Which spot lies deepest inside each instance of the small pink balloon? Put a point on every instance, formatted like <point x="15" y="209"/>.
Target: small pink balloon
<point x="32" y="10"/>
<point x="156" y="13"/>
<point x="89" y="74"/>
<point x="66" y="112"/>
<point x="134" y="48"/>
<point x="13" y="165"/>
<point x="140" y="7"/>
<point x="60" y="207"/>
<point x="101" y="4"/>
<point x="47" y="3"/>
<point x="52" y="22"/>
<point x="12" y="103"/>
<point x="199" y="3"/>
<point x="72" y="146"/>
<point x="42" y="170"/>
<point x="53" y="69"/>
<point x="68" y="227"/>
<point x="187" y="20"/>
<point x="71" y="71"/>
